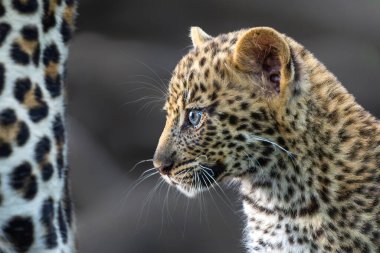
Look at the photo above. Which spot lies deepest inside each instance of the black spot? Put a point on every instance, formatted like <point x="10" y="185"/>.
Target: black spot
<point x="2" y="77"/>
<point x="26" y="7"/>
<point x="347" y="248"/>
<point x="324" y="167"/>
<point x="67" y="206"/>
<point x="213" y="96"/>
<point x="256" y="116"/>
<point x="281" y="141"/>
<point x="60" y="163"/>
<point x="21" y="88"/>
<point x="38" y="93"/>
<point x="18" y="55"/>
<point x="269" y="131"/>
<point x="223" y="116"/>
<point x="36" y="55"/>
<point x="202" y="87"/>
<point x="233" y="120"/>
<point x="29" y="32"/>
<point x="216" y="85"/>
<point x="212" y="108"/>
<point x="47" y="171"/>
<point x="239" y="149"/>
<point x="262" y="161"/>
<point x="19" y="231"/>
<point x="256" y="126"/>
<point x="202" y="61"/>
<point x="7" y="117"/>
<point x="23" y="180"/>
<point x="20" y="175"/>
<point x="267" y="151"/>
<point x="66" y="31"/>
<point x="70" y="2"/>
<point x="58" y="129"/>
<point x="240" y="137"/>
<point x="41" y="111"/>
<point x="244" y="106"/>
<point x="53" y="85"/>
<point x="48" y="19"/>
<point x="62" y="224"/>
<point x="51" y="54"/>
<point x="4" y="31"/>
<point x="38" y="113"/>
<point x="5" y="149"/>
<point x="2" y="9"/>
<point x="23" y="134"/>
<point x="242" y="127"/>
<point x="47" y="219"/>
<point x="42" y="149"/>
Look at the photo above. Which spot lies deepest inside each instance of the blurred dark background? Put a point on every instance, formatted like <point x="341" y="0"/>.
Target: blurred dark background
<point x="120" y="61"/>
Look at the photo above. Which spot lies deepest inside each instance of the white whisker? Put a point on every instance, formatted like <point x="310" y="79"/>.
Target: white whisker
<point x="273" y="143"/>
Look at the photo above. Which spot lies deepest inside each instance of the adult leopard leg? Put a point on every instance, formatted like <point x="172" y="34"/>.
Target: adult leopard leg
<point x="35" y="207"/>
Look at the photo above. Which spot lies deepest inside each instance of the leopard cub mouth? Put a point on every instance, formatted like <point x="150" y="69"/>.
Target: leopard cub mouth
<point x="192" y="177"/>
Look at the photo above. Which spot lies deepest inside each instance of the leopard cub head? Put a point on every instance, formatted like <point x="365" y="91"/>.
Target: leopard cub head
<point x="222" y="106"/>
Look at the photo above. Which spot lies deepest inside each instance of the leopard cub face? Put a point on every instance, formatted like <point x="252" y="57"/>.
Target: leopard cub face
<point x="219" y="122"/>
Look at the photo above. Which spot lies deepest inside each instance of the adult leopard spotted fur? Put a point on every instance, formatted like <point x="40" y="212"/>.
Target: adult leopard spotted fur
<point x="35" y="208"/>
<point x="256" y="107"/>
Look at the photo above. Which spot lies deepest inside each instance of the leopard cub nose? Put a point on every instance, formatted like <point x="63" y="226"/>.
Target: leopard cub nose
<point x="163" y="165"/>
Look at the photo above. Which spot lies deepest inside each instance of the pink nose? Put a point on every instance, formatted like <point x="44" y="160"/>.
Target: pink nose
<point x="163" y="163"/>
<point x="165" y="169"/>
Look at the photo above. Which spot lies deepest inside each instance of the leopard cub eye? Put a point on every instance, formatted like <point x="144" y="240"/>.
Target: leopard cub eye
<point x="195" y="117"/>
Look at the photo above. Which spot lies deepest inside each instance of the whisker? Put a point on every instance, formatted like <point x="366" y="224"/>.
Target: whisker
<point x="273" y="143"/>
<point x="289" y="154"/>
<point x="205" y="168"/>
<point x="149" y="198"/>
<point x="183" y="171"/>
<point x="148" y="171"/>
<point x="213" y="199"/>
<point x="229" y="204"/>
<point x="140" y="162"/>
<point x="253" y="164"/>
<point x="141" y="179"/>
<point x="162" y="89"/>
<point x="143" y="98"/>
<point x="149" y="86"/>
<point x="151" y="70"/>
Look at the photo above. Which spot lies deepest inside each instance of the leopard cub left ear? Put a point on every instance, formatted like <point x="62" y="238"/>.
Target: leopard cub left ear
<point x="198" y="36"/>
<point x="263" y="51"/>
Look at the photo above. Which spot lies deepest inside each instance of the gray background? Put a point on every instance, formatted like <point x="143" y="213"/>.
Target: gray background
<point x="120" y="59"/>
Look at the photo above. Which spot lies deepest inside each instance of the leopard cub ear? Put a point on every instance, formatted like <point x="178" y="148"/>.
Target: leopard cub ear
<point x="264" y="52"/>
<point x="198" y="36"/>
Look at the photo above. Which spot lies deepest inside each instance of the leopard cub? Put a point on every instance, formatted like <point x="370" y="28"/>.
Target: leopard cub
<point x="257" y="107"/>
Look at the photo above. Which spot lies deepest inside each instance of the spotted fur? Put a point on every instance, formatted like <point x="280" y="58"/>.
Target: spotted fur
<point x="274" y="119"/>
<point x="35" y="208"/>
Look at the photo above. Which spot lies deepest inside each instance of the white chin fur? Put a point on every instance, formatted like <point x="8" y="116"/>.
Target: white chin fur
<point x="189" y="193"/>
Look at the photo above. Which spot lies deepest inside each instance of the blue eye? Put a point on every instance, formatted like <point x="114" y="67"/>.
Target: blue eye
<point x="195" y="117"/>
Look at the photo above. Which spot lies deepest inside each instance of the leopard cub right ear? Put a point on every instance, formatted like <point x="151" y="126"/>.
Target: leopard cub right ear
<point x="264" y="51"/>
